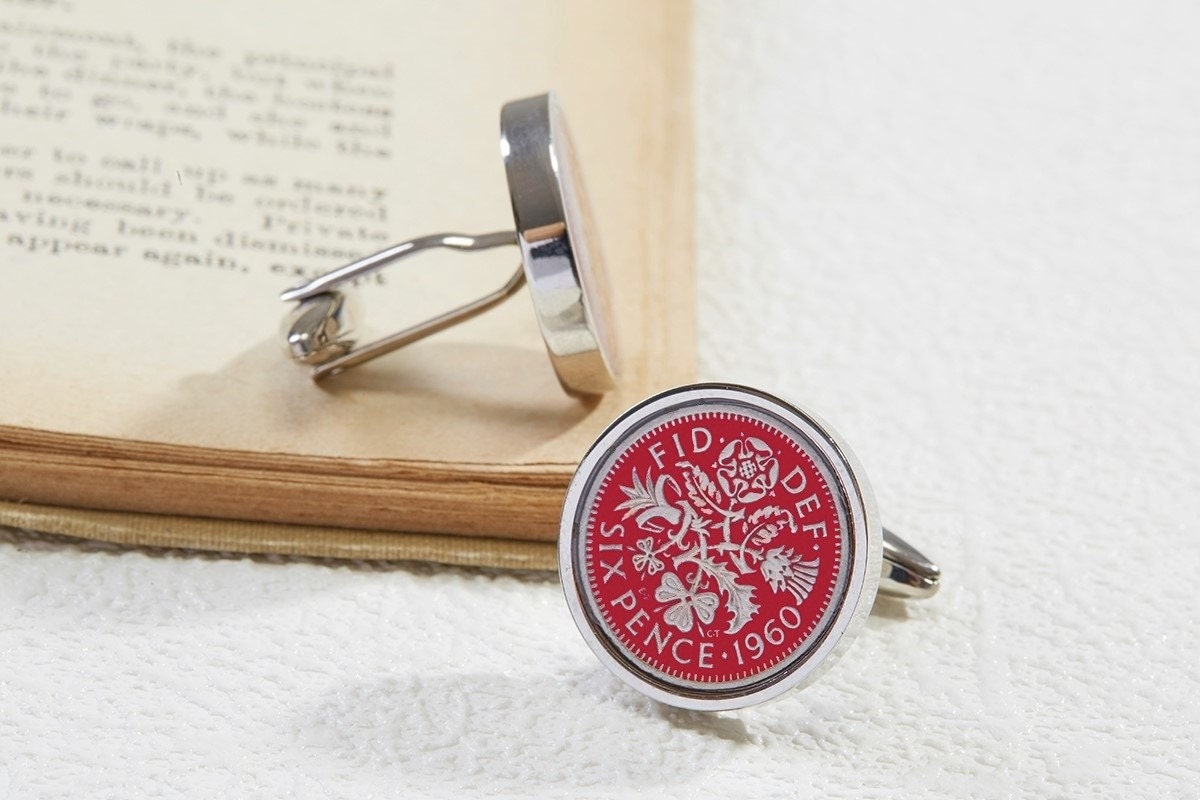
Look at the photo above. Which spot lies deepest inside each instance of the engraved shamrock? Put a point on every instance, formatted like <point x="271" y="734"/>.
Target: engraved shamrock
<point x="747" y="469"/>
<point x="646" y="559"/>
<point x="703" y="604"/>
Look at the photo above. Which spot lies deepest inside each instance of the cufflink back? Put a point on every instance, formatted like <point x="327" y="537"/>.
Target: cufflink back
<point x="720" y="546"/>
<point x="559" y="260"/>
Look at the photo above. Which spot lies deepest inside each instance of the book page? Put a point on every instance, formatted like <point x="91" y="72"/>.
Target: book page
<point x="169" y="169"/>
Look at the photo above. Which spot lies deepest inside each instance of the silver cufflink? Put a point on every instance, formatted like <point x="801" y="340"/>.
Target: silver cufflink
<point x="720" y="546"/>
<point x="559" y="262"/>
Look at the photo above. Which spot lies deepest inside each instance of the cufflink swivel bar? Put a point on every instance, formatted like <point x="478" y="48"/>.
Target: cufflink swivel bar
<point x="317" y="326"/>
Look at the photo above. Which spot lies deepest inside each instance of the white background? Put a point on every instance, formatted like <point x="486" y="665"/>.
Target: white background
<point x="968" y="235"/>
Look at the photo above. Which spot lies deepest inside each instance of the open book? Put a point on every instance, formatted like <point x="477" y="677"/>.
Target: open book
<point x="167" y="174"/>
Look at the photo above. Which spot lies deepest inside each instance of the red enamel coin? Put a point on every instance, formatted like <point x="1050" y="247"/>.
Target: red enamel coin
<point x="712" y="547"/>
<point x="715" y="545"/>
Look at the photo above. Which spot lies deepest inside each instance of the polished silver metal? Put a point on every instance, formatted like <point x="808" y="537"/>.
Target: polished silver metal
<point x="559" y="261"/>
<point x="319" y="323"/>
<point x="318" y="329"/>
<point x="907" y="573"/>
<point x="562" y="260"/>
<point x="880" y="561"/>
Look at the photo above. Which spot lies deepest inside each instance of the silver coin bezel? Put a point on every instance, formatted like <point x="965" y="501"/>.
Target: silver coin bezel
<point x="864" y="538"/>
<point x="564" y="268"/>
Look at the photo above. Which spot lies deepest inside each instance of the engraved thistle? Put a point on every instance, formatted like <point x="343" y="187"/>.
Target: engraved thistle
<point x="707" y="534"/>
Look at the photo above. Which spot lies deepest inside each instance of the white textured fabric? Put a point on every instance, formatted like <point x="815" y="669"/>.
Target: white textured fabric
<point x="968" y="235"/>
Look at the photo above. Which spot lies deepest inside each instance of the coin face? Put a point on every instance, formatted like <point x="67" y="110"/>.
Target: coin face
<point x="716" y="546"/>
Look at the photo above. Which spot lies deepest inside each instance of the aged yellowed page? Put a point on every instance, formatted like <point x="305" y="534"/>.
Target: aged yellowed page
<point x="197" y="533"/>
<point x="168" y="169"/>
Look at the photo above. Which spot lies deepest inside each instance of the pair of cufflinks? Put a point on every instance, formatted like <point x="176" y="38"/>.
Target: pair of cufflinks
<point x="718" y="546"/>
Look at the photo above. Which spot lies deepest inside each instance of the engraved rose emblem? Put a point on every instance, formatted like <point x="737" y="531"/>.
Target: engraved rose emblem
<point x="747" y="469"/>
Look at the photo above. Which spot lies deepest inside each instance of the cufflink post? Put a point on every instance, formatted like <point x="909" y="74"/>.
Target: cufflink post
<point x="906" y="572"/>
